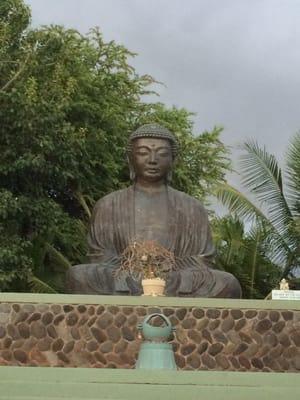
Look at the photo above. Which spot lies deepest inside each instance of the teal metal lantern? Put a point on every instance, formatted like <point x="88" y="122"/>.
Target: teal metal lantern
<point x="155" y="352"/>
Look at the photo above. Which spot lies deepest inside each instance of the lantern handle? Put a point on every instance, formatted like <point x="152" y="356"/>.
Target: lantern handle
<point x="163" y="317"/>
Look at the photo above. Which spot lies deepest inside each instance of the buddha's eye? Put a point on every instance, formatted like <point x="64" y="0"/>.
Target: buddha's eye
<point x="163" y="153"/>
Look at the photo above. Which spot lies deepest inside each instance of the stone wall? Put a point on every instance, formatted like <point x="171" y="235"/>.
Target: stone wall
<point x="212" y="336"/>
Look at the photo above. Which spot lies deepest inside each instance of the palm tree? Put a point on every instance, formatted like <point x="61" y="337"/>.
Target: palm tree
<point x="242" y="253"/>
<point x="276" y="205"/>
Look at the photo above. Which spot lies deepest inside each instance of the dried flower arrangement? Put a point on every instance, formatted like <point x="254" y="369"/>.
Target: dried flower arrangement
<point x="147" y="260"/>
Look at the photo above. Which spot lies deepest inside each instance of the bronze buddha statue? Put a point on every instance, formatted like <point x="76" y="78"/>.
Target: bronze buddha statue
<point x="151" y="210"/>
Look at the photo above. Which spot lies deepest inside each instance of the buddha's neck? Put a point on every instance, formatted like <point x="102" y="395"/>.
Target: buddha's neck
<point x="150" y="187"/>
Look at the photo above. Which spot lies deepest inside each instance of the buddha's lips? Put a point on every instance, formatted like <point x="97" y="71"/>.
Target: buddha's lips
<point x="152" y="169"/>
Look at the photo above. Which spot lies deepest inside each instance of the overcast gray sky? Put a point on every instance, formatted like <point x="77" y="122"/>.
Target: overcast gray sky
<point x="235" y="63"/>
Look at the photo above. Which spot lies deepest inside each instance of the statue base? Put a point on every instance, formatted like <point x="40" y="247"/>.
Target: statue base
<point x="101" y="331"/>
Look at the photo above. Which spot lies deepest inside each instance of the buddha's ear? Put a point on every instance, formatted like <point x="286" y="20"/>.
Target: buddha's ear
<point x="132" y="174"/>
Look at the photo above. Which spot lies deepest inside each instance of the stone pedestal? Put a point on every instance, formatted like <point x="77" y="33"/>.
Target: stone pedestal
<point x="101" y="332"/>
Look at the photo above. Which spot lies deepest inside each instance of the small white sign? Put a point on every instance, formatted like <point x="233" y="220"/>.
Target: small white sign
<point x="285" y="294"/>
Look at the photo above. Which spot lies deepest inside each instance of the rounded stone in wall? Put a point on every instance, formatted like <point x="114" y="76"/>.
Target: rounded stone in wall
<point x="187" y="349"/>
<point x="141" y="311"/>
<point x="262" y="314"/>
<point x="263" y="326"/>
<point x="227" y="324"/>
<point x="213" y="313"/>
<point x="44" y="344"/>
<point x="194" y="361"/>
<point x="206" y="335"/>
<point x="274" y="316"/>
<point x="63" y="357"/>
<point x="198" y="313"/>
<point x="287" y="315"/>
<point x="113" y="309"/>
<point x="92" y="345"/>
<point x="295" y="337"/>
<point x="98" y="334"/>
<point x="249" y="314"/>
<point x="219" y="337"/>
<point x="2" y="331"/>
<point x="236" y="314"/>
<point x="16" y="307"/>
<point x="20" y="317"/>
<point x="208" y="361"/>
<point x="214" y="324"/>
<point x="68" y="308"/>
<point x="24" y="330"/>
<point x="180" y="361"/>
<point x="47" y="318"/>
<point x="132" y="320"/>
<point x="168" y="311"/>
<point x="195" y="336"/>
<point x="105" y="320"/>
<point x="215" y="349"/>
<point x="57" y="345"/>
<point x="75" y="333"/>
<point x="68" y="347"/>
<point x="38" y="330"/>
<point x="120" y="320"/>
<point x="188" y="323"/>
<point x="113" y="334"/>
<point x="56" y="308"/>
<point x="240" y="324"/>
<point x="51" y="331"/>
<point x="100" y="357"/>
<point x="72" y="319"/>
<point x="278" y="327"/>
<point x="106" y="347"/>
<point x="12" y="331"/>
<point x="181" y="313"/>
<point x="127" y="310"/>
<point x="202" y="323"/>
<point x="222" y="361"/>
<point x="127" y="333"/>
<point x="34" y="317"/>
<point x="121" y="346"/>
<point x="91" y="310"/>
<point x="20" y="356"/>
<point x="58" y="319"/>
<point x="100" y="310"/>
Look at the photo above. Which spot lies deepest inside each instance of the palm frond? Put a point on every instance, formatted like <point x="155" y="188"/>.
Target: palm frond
<point x="293" y="173"/>
<point x="278" y="244"/>
<point x="262" y="176"/>
<point x="57" y="258"/>
<point x="39" y="286"/>
<point x="238" y="203"/>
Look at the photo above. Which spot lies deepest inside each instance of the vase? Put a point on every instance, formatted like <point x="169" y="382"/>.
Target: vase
<point x="153" y="287"/>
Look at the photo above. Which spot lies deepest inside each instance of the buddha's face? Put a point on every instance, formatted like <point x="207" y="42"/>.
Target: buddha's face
<point x="151" y="159"/>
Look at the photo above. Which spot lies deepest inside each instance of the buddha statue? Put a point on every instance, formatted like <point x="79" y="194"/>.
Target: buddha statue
<point x="151" y="209"/>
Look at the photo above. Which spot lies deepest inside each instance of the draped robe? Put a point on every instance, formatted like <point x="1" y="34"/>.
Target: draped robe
<point x="188" y="236"/>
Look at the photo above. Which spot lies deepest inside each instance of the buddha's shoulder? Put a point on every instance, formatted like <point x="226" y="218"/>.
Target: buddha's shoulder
<point x="186" y="198"/>
<point x="112" y="196"/>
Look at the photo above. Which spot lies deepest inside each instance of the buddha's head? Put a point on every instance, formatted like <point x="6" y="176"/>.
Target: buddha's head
<point x="151" y="152"/>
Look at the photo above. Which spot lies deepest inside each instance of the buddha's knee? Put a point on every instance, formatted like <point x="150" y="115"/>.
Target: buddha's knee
<point x="234" y="287"/>
<point x="75" y="279"/>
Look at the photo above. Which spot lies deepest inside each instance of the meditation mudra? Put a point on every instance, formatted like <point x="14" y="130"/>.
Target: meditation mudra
<point x="151" y="210"/>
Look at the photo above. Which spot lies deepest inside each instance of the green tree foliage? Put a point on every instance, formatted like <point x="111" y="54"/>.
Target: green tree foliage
<point x="67" y="105"/>
<point x="245" y="255"/>
<point x="275" y="207"/>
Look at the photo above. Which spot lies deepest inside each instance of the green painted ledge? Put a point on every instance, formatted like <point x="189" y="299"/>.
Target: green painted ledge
<point x="149" y="301"/>
<point x="26" y="383"/>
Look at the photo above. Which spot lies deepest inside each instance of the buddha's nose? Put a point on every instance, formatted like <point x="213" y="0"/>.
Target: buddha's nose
<point x="153" y="158"/>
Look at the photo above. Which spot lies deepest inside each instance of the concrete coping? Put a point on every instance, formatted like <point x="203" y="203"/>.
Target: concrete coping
<point x="149" y="301"/>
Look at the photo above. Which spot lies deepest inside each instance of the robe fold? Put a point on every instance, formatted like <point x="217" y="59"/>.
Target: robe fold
<point x="188" y="236"/>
